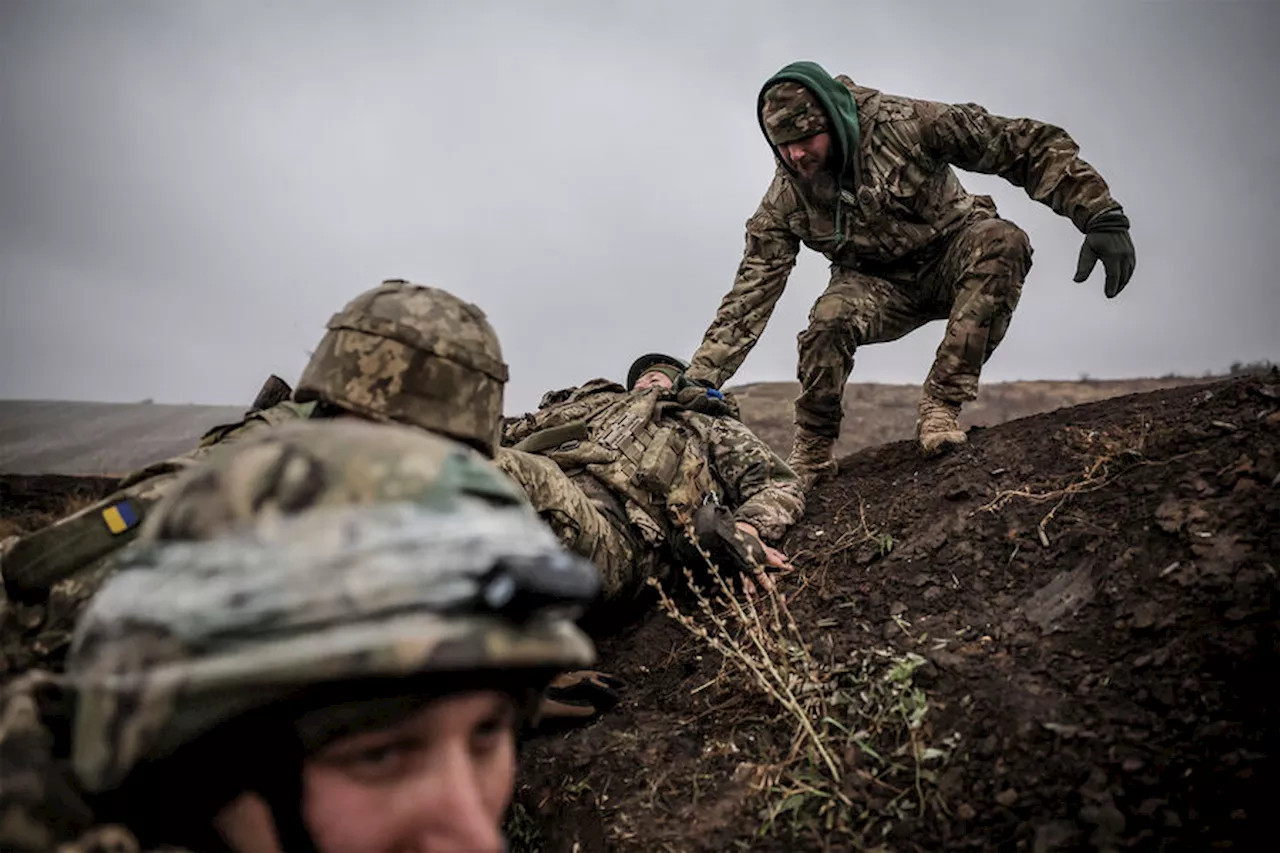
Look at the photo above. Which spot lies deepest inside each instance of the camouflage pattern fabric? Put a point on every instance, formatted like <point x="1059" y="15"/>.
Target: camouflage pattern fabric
<point x="975" y="286"/>
<point x="790" y="112"/>
<point x="415" y="355"/>
<point x="189" y="635"/>
<point x="305" y="466"/>
<point x="644" y="467"/>
<point x="592" y="527"/>
<point x="315" y="553"/>
<point x="79" y="548"/>
<point x="908" y="208"/>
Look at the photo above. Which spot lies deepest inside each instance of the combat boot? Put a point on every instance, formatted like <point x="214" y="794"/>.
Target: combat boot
<point x="811" y="458"/>
<point x="938" y="426"/>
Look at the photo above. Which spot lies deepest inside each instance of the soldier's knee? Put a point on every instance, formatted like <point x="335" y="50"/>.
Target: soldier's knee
<point x="837" y="332"/>
<point x="1002" y="239"/>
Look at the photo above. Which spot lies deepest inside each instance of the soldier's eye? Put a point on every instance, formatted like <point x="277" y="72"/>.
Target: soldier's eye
<point x="373" y="760"/>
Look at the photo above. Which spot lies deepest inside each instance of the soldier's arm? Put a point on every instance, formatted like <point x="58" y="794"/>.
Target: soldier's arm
<point x="767" y="260"/>
<point x="1041" y="158"/>
<point x="760" y="488"/>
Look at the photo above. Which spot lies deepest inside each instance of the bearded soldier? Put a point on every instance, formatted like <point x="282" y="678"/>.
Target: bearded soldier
<point x="647" y="476"/>
<point x="324" y="639"/>
<point x="866" y="179"/>
<point x="398" y="353"/>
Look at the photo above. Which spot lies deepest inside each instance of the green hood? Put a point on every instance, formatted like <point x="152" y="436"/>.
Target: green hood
<point x="842" y="113"/>
<point x="836" y="100"/>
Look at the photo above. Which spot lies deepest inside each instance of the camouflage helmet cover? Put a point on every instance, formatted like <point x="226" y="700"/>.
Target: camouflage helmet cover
<point x="312" y="464"/>
<point x="383" y="581"/>
<point x="790" y="112"/>
<point x="415" y="355"/>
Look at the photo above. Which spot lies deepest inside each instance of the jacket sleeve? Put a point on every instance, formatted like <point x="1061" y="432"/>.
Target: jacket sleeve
<point x="767" y="260"/>
<point x="1039" y="157"/>
<point x="760" y="488"/>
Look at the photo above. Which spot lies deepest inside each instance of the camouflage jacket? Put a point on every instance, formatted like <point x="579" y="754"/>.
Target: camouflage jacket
<point x="41" y="807"/>
<point x="907" y="203"/>
<point x="627" y="434"/>
<point x="73" y="553"/>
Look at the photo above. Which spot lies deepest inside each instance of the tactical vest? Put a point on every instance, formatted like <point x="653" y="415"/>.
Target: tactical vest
<point x="636" y="445"/>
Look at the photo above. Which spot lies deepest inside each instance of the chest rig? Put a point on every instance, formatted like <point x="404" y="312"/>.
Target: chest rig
<point x="639" y="447"/>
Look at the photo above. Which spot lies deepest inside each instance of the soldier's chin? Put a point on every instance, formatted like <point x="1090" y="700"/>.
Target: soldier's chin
<point x="822" y="185"/>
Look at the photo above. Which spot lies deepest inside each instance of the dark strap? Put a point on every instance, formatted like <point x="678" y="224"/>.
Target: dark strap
<point x="545" y="439"/>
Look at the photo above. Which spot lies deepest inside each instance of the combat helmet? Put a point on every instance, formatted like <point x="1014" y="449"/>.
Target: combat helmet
<point x="319" y="556"/>
<point x="650" y="361"/>
<point x="415" y="355"/>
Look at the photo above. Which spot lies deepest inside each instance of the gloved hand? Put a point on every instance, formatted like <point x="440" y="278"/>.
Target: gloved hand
<point x="700" y="397"/>
<point x="579" y="695"/>
<point x="1107" y="238"/>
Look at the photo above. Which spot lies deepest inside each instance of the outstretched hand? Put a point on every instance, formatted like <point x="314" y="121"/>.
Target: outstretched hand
<point x="775" y="559"/>
<point x="1107" y="239"/>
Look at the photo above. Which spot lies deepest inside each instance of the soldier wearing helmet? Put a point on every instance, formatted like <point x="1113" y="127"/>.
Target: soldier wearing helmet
<point x="324" y="640"/>
<point x="397" y="353"/>
<point x="634" y="477"/>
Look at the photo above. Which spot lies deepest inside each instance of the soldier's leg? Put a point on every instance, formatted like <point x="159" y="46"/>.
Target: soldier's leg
<point x="575" y="519"/>
<point x="855" y="309"/>
<point x="980" y="275"/>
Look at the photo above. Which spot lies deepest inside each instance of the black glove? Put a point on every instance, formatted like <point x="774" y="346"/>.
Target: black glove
<point x="701" y="397"/>
<point x="1107" y="238"/>
<point x="581" y="694"/>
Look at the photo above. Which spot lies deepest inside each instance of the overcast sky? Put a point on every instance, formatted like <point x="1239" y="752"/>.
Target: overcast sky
<point x="189" y="189"/>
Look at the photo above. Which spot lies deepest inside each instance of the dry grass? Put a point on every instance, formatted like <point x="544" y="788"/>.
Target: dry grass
<point x="1105" y="454"/>
<point x="861" y="755"/>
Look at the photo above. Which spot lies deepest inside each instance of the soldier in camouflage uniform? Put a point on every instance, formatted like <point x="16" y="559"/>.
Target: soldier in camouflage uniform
<point x="399" y="352"/>
<point x="624" y="474"/>
<point x="323" y="640"/>
<point x="866" y="179"/>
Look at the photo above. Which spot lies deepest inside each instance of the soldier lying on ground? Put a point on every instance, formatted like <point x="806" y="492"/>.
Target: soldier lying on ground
<point x="866" y="179"/>
<point x="623" y="473"/>
<point x="399" y="352"/>
<point x="324" y="640"/>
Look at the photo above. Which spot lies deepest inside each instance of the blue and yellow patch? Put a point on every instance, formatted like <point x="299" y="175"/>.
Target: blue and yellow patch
<point x="120" y="517"/>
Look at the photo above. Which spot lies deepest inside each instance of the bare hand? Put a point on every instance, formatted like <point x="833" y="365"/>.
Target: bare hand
<point x="774" y="559"/>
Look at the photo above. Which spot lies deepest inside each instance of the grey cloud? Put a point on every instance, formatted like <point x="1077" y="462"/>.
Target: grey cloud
<point x="190" y="189"/>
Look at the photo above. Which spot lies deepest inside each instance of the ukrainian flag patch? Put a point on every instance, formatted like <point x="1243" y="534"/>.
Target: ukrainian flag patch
<point x="120" y="517"/>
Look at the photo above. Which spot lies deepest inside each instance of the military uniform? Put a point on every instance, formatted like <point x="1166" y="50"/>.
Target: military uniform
<point x="341" y="553"/>
<point x="399" y="352"/>
<point x="620" y="475"/>
<point x="55" y="570"/>
<point x="907" y="243"/>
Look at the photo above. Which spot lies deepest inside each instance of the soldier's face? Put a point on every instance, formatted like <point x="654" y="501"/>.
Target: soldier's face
<point x="806" y="157"/>
<point x="653" y="379"/>
<point x="440" y="780"/>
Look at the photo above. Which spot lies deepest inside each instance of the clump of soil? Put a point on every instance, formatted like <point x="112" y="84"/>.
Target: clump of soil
<point x="1094" y="594"/>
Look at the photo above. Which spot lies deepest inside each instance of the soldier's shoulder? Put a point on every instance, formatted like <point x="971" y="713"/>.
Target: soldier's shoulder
<point x="281" y="413"/>
<point x="897" y="107"/>
<point x="577" y="392"/>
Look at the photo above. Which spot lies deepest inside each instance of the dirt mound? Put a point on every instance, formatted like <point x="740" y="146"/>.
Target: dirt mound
<point x="1061" y="636"/>
<point x="876" y="413"/>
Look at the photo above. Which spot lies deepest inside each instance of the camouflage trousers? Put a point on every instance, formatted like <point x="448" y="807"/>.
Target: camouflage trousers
<point x="582" y="526"/>
<point x="974" y="284"/>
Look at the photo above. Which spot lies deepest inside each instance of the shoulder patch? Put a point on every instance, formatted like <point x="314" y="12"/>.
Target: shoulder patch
<point x="121" y="516"/>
